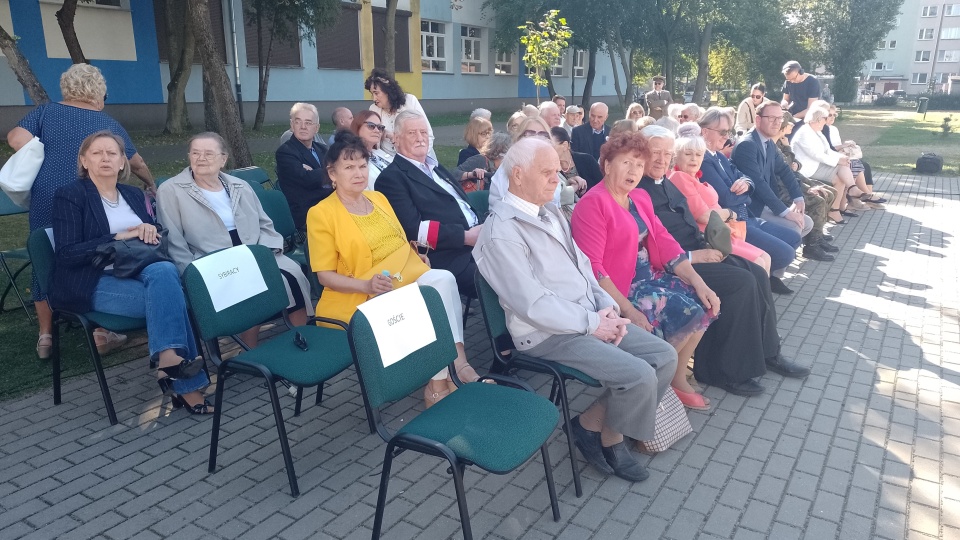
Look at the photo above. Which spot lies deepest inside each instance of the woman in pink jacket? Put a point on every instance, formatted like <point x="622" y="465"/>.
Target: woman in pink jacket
<point x="638" y="263"/>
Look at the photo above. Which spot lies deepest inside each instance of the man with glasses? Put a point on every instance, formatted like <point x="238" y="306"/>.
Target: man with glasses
<point x="748" y="108"/>
<point x="589" y="137"/>
<point x="300" y="172"/>
<point x="800" y="90"/>
<point x="658" y="99"/>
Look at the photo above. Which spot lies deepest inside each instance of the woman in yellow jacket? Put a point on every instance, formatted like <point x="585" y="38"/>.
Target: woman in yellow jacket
<point x="358" y="250"/>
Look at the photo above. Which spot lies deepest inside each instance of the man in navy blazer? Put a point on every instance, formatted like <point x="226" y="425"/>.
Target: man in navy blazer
<point x="588" y="138"/>
<point x="431" y="206"/>
<point x="300" y="172"/>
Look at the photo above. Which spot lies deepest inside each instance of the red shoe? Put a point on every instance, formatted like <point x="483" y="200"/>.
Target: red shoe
<point x="692" y="400"/>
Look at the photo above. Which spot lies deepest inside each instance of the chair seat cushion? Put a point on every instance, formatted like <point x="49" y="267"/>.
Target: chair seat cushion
<point x="116" y="323"/>
<point x="19" y="254"/>
<point x="530" y="364"/>
<point x="495" y="427"/>
<point x="328" y="354"/>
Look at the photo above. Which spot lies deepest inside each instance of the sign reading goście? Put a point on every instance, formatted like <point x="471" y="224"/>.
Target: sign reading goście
<point x="400" y="322"/>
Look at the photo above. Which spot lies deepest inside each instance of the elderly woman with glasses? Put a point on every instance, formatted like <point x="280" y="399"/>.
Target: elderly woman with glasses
<point x="367" y="126"/>
<point x="748" y="108"/>
<point x="205" y="210"/>
<point x="691" y="112"/>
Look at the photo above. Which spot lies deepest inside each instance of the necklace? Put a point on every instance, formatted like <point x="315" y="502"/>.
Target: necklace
<point x="111" y="204"/>
<point x="352" y="208"/>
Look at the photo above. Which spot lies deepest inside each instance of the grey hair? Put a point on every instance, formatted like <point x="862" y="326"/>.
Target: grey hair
<point x="599" y="104"/>
<point x="820" y="103"/>
<point x="497" y="145"/>
<point x="692" y="107"/>
<point x="300" y="106"/>
<point x="209" y="135"/>
<point x="522" y="154"/>
<point x="673" y="109"/>
<point x="816" y="113"/>
<point x="668" y="122"/>
<point x="548" y="105"/>
<point x="657" y="132"/>
<point x="404" y="117"/>
<point x="689" y="142"/>
<point x="481" y="113"/>
<point x="712" y="116"/>
<point x="688" y="129"/>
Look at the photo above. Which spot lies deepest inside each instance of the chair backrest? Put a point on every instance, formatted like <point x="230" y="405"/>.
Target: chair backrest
<point x="41" y="256"/>
<point x="480" y="201"/>
<point x="212" y="324"/>
<point x="8" y="208"/>
<point x="276" y="206"/>
<point x="385" y="384"/>
<point x="160" y="179"/>
<point x="494" y="316"/>
<point x="255" y="176"/>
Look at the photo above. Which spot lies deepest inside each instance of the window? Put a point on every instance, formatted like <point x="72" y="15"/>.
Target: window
<point x="433" y="46"/>
<point x="284" y="54"/>
<point x="922" y="56"/>
<point x="878" y="66"/>
<point x="929" y="11"/>
<point x="214" y="7"/>
<point x="950" y="33"/>
<point x="114" y="3"/>
<point x="557" y="70"/>
<point x="893" y="44"/>
<point x="941" y="78"/>
<point x="882" y="45"/>
<point x="338" y="47"/>
<point x="951" y="10"/>
<point x="883" y="66"/>
<point x="948" y="56"/>
<point x="919" y="78"/>
<point x="925" y="34"/>
<point x="504" y="64"/>
<point x="401" y="43"/>
<point x="471" y="59"/>
<point x="580" y="63"/>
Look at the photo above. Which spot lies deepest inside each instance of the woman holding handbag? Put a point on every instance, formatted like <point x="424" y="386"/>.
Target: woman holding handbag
<point x="359" y="250"/>
<point x="62" y="127"/>
<point x="95" y="210"/>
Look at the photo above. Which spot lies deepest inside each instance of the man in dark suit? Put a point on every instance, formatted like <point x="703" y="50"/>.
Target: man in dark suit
<point x="300" y="171"/>
<point x="431" y="206"/>
<point x="588" y="138"/>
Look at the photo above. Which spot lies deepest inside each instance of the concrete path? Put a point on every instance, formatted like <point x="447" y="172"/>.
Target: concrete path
<point x="867" y="447"/>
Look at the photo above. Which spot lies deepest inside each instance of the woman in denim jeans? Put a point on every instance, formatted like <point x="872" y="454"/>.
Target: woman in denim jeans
<point x="97" y="209"/>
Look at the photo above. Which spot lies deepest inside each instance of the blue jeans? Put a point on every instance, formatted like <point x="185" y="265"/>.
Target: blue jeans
<point x="779" y="242"/>
<point x="157" y="296"/>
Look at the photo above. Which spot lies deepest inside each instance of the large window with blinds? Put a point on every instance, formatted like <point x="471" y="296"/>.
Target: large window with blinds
<point x="401" y="35"/>
<point x="338" y="47"/>
<point x="284" y="53"/>
<point x="216" y="23"/>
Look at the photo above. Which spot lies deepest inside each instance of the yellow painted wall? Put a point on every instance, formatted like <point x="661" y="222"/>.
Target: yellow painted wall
<point x="411" y="82"/>
<point x="104" y="33"/>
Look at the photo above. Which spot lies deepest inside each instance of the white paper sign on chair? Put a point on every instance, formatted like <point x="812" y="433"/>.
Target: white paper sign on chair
<point x="400" y="321"/>
<point x="231" y="276"/>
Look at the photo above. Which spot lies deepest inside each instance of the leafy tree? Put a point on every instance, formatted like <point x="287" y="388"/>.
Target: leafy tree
<point x="728" y="66"/>
<point x="284" y="21"/>
<point x="544" y="42"/>
<point x="21" y="67"/>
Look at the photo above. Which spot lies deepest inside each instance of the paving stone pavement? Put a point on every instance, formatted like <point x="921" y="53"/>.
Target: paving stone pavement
<point x="867" y="447"/>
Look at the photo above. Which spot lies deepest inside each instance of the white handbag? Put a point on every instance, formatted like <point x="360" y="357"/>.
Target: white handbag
<point x="20" y="171"/>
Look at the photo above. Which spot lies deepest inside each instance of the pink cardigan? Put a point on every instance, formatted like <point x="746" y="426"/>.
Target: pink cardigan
<point x="608" y="235"/>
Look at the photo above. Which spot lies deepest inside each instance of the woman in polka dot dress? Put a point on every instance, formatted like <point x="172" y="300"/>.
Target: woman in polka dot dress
<point x="61" y="128"/>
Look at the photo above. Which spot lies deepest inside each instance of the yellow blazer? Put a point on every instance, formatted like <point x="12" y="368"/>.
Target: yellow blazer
<point x="336" y="243"/>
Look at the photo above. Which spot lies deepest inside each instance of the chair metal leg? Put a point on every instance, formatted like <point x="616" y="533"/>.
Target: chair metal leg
<point x="282" y="433"/>
<point x="296" y="407"/>
<point x="55" y="361"/>
<point x="565" y="409"/>
<point x="218" y="407"/>
<point x="98" y="368"/>
<point x="551" y="488"/>
<point x="382" y="495"/>
<point x="13" y="285"/>
<point x="319" y="394"/>
<point x="466" y="309"/>
<point x="462" y="501"/>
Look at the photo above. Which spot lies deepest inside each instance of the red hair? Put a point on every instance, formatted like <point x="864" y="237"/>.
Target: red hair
<point x="622" y="143"/>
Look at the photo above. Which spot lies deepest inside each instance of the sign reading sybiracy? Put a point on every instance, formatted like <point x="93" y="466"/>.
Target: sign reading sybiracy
<point x="231" y="276"/>
<point x="400" y="322"/>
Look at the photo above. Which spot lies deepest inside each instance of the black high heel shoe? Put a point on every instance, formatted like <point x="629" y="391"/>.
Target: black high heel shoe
<point x="184" y="370"/>
<point x="199" y="408"/>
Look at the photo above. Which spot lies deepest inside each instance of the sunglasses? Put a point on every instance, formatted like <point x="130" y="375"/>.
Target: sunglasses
<point x="685" y="116"/>
<point x="723" y="132"/>
<point x="831" y="116"/>
<point x="378" y="127"/>
<point x="757" y="97"/>
<point x="532" y="133"/>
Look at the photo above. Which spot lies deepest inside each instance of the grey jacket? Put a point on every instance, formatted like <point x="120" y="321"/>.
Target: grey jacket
<point x="545" y="287"/>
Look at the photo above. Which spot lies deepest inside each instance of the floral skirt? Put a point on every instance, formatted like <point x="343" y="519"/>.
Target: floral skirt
<point x="670" y="305"/>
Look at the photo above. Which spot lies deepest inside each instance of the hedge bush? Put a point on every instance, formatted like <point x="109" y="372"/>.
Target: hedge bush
<point x="885" y="101"/>
<point x="942" y="102"/>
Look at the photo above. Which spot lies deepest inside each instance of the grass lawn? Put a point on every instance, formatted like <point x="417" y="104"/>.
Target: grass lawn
<point x="893" y="138"/>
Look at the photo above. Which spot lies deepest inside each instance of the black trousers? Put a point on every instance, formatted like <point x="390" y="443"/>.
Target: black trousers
<point x="734" y="347"/>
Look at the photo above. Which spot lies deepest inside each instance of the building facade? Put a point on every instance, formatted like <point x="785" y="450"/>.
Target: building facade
<point x="920" y="53"/>
<point x="444" y="55"/>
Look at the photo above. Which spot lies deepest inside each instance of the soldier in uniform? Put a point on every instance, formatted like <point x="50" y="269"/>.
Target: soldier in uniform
<point x="658" y="99"/>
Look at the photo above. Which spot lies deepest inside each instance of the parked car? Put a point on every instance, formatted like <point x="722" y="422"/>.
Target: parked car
<point x="899" y="94"/>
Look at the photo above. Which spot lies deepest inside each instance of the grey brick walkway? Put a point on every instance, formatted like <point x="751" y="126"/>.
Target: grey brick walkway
<point x="867" y="447"/>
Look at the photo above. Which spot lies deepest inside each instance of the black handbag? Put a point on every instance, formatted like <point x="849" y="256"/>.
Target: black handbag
<point x="129" y="257"/>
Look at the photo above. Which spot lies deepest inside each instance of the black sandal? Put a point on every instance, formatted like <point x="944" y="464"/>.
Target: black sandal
<point x="184" y="370"/>
<point x="199" y="408"/>
<point x="849" y="214"/>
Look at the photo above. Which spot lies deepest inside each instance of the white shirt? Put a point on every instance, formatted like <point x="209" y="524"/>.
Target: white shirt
<point x="220" y="202"/>
<point x="122" y="217"/>
<point x="427" y="169"/>
<point x="534" y="211"/>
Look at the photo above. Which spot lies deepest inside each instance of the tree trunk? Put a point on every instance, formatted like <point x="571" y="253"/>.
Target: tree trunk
<point x="210" y="120"/>
<point x="65" y="17"/>
<point x="390" y="39"/>
<point x="616" y="76"/>
<point x="548" y="75"/>
<point x="591" y="75"/>
<point x="181" y="46"/>
<point x="228" y="116"/>
<point x="668" y="54"/>
<point x="264" y="72"/>
<point x="703" y="62"/>
<point x="21" y="67"/>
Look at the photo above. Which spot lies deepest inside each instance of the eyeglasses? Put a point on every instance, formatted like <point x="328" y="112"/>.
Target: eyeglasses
<point x="778" y="118"/>
<point x="304" y="123"/>
<point x="831" y="116"/>
<point x="685" y="116"/>
<point x="757" y="97"/>
<point x="532" y="133"/>
<point x="378" y="127"/>
<point x="724" y="132"/>
<point x="205" y="155"/>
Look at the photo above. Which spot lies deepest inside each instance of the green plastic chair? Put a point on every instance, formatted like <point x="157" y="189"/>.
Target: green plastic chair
<point x="500" y="341"/>
<point x="7" y="208"/>
<point x="480" y="201"/>
<point x="276" y="206"/>
<point x="279" y="358"/>
<point x="495" y="427"/>
<point x="258" y="178"/>
<point x="42" y="255"/>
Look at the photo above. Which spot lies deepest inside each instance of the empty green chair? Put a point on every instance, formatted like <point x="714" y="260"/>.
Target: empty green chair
<point x="495" y="427"/>
<point x="507" y="358"/>
<point x="7" y="208"/>
<point x="258" y="178"/>
<point x="323" y="354"/>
